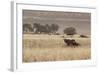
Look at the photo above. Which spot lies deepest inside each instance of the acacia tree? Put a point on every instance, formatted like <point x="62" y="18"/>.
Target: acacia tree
<point x="70" y="31"/>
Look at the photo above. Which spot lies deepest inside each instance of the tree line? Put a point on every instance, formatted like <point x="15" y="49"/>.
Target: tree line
<point x="37" y="28"/>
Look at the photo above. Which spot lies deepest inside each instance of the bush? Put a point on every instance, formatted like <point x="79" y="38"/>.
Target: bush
<point x="83" y="36"/>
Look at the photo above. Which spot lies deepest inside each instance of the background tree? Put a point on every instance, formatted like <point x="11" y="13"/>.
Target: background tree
<point x="70" y="31"/>
<point x="36" y="27"/>
<point x="48" y="28"/>
<point x="42" y="29"/>
<point x="54" y="28"/>
<point x="27" y="28"/>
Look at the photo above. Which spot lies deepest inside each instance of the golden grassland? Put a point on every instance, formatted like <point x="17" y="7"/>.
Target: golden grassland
<point x="37" y="48"/>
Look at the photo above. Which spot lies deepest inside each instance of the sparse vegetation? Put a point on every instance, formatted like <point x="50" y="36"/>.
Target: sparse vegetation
<point x="52" y="48"/>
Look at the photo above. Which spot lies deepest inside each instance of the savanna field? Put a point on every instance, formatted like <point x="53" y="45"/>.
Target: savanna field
<point x="37" y="48"/>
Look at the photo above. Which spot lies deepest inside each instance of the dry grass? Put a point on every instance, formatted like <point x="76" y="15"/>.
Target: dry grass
<point x="52" y="48"/>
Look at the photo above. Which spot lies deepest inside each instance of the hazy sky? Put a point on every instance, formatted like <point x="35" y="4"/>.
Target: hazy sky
<point x="81" y="21"/>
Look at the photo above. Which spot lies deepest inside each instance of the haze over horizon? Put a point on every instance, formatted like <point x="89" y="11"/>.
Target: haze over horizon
<point x="80" y="21"/>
